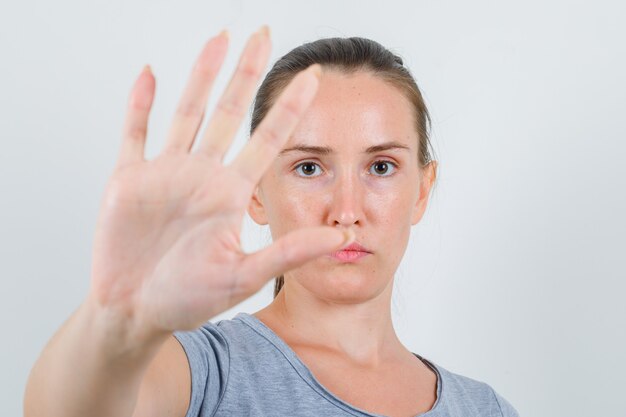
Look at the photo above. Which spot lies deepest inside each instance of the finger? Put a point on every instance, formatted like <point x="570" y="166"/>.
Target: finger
<point x="232" y="106"/>
<point x="190" y="110"/>
<point x="136" y="120"/>
<point x="289" y="252"/>
<point x="274" y="131"/>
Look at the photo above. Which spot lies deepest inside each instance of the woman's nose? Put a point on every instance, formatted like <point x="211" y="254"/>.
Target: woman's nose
<point x="346" y="205"/>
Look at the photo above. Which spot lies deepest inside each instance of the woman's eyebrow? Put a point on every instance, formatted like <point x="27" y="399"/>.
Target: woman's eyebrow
<point x="386" y="146"/>
<point x="319" y="150"/>
<point x="325" y="150"/>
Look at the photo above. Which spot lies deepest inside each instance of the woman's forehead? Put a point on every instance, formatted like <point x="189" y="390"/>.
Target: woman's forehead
<point x="356" y="107"/>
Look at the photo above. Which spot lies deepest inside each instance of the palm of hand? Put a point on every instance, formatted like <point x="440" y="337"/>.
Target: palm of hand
<point x="178" y="220"/>
<point x="167" y="249"/>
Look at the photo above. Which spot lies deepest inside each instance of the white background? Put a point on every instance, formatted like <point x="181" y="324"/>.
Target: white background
<point x="515" y="276"/>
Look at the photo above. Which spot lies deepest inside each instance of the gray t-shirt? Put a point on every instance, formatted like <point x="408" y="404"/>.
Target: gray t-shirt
<point x="240" y="367"/>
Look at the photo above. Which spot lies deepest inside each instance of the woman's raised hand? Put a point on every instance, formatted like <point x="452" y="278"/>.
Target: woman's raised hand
<point x="167" y="251"/>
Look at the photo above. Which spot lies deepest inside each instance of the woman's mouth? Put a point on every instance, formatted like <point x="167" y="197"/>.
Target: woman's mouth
<point x="350" y="253"/>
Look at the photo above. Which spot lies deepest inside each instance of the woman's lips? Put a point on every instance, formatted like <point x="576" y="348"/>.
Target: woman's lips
<point x="350" y="253"/>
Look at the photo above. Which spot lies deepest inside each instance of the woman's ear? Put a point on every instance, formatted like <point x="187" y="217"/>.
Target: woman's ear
<point x="428" y="179"/>
<point x="256" y="210"/>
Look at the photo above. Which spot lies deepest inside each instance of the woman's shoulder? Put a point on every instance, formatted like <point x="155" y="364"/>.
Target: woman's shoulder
<point x="226" y="338"/>
<point x="466" y="396"/>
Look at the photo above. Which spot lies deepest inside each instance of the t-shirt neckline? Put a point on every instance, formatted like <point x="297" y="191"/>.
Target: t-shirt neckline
<point x="308" y="376"/>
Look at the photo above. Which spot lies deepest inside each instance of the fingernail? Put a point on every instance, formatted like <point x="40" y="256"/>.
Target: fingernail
<point x="316" y="69"/>
<point x="264" y="30"/>
<point x="146" y="68"/>
<point x="224" y="33"/>
<point x="348" y="237"/>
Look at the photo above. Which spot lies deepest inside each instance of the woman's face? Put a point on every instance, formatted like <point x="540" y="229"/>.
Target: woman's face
<point x="350" y="163"/>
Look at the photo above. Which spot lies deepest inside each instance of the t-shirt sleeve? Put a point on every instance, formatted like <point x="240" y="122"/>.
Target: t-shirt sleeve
<point x="208" y="354"/>
<point x="505" y="407"/>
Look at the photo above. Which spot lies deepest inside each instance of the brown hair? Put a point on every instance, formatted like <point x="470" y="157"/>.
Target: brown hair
<point x="346" y="55"/>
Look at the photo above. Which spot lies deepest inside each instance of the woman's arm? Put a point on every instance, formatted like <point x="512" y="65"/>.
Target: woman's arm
<point x="94" y="365"/>
<point x="166" y="253"/>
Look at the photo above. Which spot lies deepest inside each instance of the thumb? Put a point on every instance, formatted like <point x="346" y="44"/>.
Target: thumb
<point x="290" y="251"/>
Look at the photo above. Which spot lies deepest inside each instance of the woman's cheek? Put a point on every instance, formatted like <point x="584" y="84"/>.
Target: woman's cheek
<point x="298" y="206"/>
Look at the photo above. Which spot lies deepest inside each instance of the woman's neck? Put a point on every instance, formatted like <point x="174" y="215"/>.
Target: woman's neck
<point x="362" y="334"/>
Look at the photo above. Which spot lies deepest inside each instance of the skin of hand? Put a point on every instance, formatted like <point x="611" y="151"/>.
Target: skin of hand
<point x="166" y="252"/>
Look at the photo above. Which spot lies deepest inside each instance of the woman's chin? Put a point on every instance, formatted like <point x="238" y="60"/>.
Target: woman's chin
<point x="346" y="287"/>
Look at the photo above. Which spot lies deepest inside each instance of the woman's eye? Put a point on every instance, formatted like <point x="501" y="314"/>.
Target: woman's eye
<point x="383" y="168"/>
<point x="307" y="169"/>
<point x="379" y="168"/>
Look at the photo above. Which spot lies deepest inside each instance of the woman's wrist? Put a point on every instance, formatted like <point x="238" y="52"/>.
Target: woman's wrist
<point x="121" y="332"/>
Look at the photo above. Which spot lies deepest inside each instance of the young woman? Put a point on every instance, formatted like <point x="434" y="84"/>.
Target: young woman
<point x="338" y="165"/>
